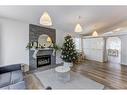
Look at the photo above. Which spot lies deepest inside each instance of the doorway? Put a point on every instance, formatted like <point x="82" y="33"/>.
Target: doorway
<point x="113" y="50"/>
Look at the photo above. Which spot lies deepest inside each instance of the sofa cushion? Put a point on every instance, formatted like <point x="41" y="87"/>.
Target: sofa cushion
<point x="16" y="76"/>
<point x="19" y="85"/>
<point x="5" y="79"/>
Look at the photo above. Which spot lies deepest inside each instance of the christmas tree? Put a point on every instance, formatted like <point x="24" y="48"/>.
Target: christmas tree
<point x="69" y="53"/>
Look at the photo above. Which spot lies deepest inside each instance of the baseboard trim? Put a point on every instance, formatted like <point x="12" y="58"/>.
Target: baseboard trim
<point x="123" y="64"/>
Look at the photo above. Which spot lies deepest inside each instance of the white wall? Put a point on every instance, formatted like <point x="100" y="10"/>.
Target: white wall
<point x="59" y="41"/>
<point x="93" y="48"/>
<point x="123" y="49"/>
<point x="0" y="46"/>
<point x="14" y="38"/>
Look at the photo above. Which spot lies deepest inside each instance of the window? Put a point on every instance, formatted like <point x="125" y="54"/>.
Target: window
<point x="77" y="42"/>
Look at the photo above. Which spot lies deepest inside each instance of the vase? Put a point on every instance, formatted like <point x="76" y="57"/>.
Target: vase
<point x="68" y="64"/>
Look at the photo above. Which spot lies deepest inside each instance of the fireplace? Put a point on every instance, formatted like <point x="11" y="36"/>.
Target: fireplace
<point x="43" y="60"/>
<point x="34" y="34"/>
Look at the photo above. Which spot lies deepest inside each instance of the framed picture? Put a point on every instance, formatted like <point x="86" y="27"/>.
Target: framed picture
<point x="113" y="52"/>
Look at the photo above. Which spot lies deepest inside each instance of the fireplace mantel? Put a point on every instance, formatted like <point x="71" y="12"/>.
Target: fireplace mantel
<point x="45" y="49"/>
<point x="44" y="52"/>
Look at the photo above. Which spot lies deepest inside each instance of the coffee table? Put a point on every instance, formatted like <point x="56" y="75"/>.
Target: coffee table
<point x="63" y="73"/>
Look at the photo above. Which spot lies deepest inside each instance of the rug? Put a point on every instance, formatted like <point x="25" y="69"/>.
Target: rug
<point x="77" y="81"/>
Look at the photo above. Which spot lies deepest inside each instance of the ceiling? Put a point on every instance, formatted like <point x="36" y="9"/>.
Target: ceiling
<point x="66" y="17"/>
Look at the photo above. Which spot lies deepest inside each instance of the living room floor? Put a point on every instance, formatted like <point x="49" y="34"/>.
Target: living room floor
<point x="113" y="76"/>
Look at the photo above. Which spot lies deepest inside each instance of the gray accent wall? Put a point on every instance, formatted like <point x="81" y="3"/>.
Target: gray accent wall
<point x="34" y="33"/>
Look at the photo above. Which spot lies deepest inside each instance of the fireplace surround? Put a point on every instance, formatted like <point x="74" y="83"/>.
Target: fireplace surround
<point x="34" y="32"/>
<point x="45" y="57"/>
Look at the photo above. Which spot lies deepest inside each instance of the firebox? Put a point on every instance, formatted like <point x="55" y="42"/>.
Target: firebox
<point x="43" y="60"/>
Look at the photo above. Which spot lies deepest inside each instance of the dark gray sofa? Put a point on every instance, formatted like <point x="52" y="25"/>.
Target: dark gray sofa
<point x="11" y="77"/>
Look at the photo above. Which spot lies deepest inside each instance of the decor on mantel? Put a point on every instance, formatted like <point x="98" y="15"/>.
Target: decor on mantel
<point x="35" y="46"/>
<point x="44" y="41"/>
<point x="95" y="34"/>
<point x="78" y="27"/>
<point x="45" y="19"/>
<point x="69" y="54"/>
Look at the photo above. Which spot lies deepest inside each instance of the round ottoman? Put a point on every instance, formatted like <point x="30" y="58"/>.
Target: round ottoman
<point x="63" y="73"/>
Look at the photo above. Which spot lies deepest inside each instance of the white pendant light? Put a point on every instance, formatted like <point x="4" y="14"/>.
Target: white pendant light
<point x="45" y="19"/>
<point x="95" y="34"/>
<point x="78" y="28"/>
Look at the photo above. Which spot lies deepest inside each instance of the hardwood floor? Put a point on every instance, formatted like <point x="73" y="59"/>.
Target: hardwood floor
<point x="113" y="76"/>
